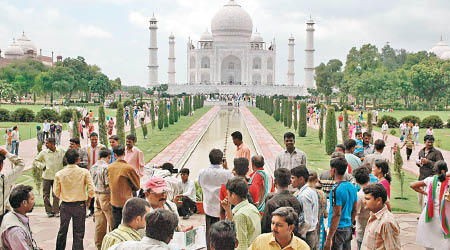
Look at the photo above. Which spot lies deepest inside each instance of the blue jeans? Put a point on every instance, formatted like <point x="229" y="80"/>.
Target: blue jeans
<point x="416" y="138"/>
<point x="342" y="239"/>
<point x="15" y="148"/>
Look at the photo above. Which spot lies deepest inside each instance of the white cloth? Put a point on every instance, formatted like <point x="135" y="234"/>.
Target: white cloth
<point x="46" y="127"/>
<point x="384" y="127"/>
<point x="145" y="244"/>
<point x="210" y="180"/>
<point x="416" y="129"/>
<point x="430" y="234"/>
<point x="187" y="189"/>
<point x="15" y="135"/>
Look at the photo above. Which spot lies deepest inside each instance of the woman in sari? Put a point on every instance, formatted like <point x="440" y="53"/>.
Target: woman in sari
<point x="110" y="126"/>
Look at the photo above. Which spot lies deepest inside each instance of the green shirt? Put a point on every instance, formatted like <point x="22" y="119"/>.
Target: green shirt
<point x="51" y="162"/>
<point x="120" y="234"/>
<point x="247" y="220"/>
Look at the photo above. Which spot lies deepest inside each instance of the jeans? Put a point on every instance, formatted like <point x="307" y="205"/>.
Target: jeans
<point x="342" y="239"/>
<point x="358" y="243"/>
<point x="416" y="138"/>
<point x="15" y="148"/>
<point x="117" y="216"/>
<point x="408" y="153"/>
<point x="209" y="221"/>
<point x="75" y="211"/>
<point x="58" y="138"/>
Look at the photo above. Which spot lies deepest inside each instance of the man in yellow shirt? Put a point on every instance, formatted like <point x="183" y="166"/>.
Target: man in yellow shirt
<point x="284" y="221"/>
<point x="73" y="186"/>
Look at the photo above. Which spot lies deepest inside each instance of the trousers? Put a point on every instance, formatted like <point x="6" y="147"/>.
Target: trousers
<point x="103" y="218"/>
<point x="209" y="221"/>
<point x="75" y="211"/>
<point x="342" y="239"/>
<point x="187" y="206"/>
<point x="49" y="208"/>
<point x="117" y="216"/>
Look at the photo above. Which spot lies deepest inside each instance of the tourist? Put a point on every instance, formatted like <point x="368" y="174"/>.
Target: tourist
<point x="187" y="195"/>
<point x="351" y="127"/>
<point x="327" y="180"/>
<point x="359" y="148"/>
<point x="384" y="130"/>
<point x="103" y="215"/>
<point x="50" y="160"/>
<point x="210" y="180"/>
<point x="342" y="212"/>
<point x="15" y="140"/>
<point x="46" y="128"/>
<point x="370" y="159"/>
<point x="432" y="229"/>
<point x="9" y="177"/>
<point x="382" y="230"/>
<point x="416" y="130"/>
<point x="8" y="140"/>
<point x="353" y="161"/>
<point x="313" y="183"/>
<point x="52" y="129"/>
<point x="340" y="119"/>
<point x="223" y="236"/>
<point x="309" y="202"/>
<point x="134" y="156"/>
<point x="245" y="215"/>
<point x="368" y="147"/>
<point x="241" y="148"/>
<point x="72" y="185"/>
<point x="362" y="214"/>
<point x="409" y="143"/>
<point x="167" y="173"/>
<point x="283" y="223"/>
<point x="123" y="180"/>
<point x="428" y="156"/>
<point x="340" y="148"/>
<point x="15" y="232"/>
<point x="74" y="143"/>
<point x="39" y="135"/>
<point x="134" y="212"/>
<point x="92" y="153"/>
<point x="429" y="131"/>
<point x="58" y="131"/>
<point x="156" y="194"/>
<point x="403" y="128"/>
<point x="291" y="157"/>
<point x="110" y="126"/>
<point x="71" y="124"/>
<point x="113" y="141"/>
<point x="160" y="226"/>
<point x="282" y="198"/>
<point x="261" y="183"/>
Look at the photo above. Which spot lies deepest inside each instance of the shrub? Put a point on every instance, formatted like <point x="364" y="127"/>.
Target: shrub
<point x="393" y="132"/>
<point x="432" y="121"/>
<point x="448" y="123"/>
<point x="295" y="115"/>
<point x="128" y="103"/>
<point x="120" y="123"/>
<point x="302" y="121"/>
<point x="102" y="129"/>
<point x="47" y="114"/>
<point x="132" y="125"/>
<point x="322" y="116"/>
<point x="75" y="128"/>
<point x="336" y="108"/>
<point x="22" y="115"/>
<point x="161" y="113"/>
<point x="410" y="118"/>
<point x="67" y="114"/>
<point x="331" y="131"/>
<point x="344" y="128"/>
<point x="152" y="114"/>
<point x="347" y="107"/>
<point x="277" y="110"/>
<point x="5" y="115"/>
<point x="113" y="105"/>
<point x="391" y="121"/>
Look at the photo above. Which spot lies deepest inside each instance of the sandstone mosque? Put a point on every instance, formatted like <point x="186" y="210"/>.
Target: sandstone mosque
<point x="233" y="58"/>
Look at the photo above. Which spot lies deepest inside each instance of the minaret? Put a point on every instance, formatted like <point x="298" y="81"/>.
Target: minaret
<point x="171" y="72"/>
<point x="291" y="61"/>
<point x="153" y="57"/>
<point x="309" y="55"/>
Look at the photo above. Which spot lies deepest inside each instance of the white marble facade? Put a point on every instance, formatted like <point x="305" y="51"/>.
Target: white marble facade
<point x="232" y="54"/>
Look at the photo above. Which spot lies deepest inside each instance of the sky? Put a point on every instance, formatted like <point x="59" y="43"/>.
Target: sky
<point x="114" y="34"/>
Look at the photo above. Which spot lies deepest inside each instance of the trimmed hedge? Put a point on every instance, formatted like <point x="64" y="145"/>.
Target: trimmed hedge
<point x="22" y="115"/>
<point x="67" y="114"/>
<point x="331" y="131"/>
<point x="448" y="123"/>
<point x="113" y="105"/>
<point x="410" y="118"/>
<point x="302" y="127"/>
<point x="348" y="107"/>
<point x="5" y="115"/>
<point x="432" y="121"/>
<point x="47" y="114"/>
<point x="391" y="121"/>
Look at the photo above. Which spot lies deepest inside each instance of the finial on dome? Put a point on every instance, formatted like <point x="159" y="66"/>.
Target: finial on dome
<point x="256" y="29"/>
<point x="23" y="32"/>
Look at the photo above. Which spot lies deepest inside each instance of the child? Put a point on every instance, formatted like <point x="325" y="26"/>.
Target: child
<point x="359" y="149"/>
<point x="350" y="130"/>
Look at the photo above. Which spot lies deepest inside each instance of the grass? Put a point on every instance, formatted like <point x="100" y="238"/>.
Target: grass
<point x="318" y="160"/>
<point x="27" y="130"/>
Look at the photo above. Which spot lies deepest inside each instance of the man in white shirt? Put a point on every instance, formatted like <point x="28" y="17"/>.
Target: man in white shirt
<point x="210" y="180"/>
<point x="187" y="195"/>
<point x="46" y="129"/>
<point x="15" y="137"/>
<point x="415" y="131"/>
<point x="384" y="130"/>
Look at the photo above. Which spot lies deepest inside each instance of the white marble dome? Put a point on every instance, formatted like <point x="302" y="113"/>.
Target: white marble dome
<point x="14" y="50"/>
<point x="206" y="36"/>
<point x="232" y="20"/>
<point x="440" y="48"/>
<point x="256" y="38"/>
<point x="446" y="55"/>
<point x="26" y="44"/>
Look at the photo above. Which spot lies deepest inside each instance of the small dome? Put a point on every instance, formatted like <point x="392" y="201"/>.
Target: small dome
<point x="13" y="50"/>
<point x="153" y="19"/>
<point x="440" y="48"/>
<point x="256" y="38"/>
<point x="206" y="36"/>
<point x="26" y="44"/>
<point x="171" y="36"/>
<point x="446" y="55"/>
<point x="232" y="20"/>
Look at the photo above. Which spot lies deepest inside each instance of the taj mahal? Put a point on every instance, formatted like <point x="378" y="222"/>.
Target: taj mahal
<point x="233" y="58"/>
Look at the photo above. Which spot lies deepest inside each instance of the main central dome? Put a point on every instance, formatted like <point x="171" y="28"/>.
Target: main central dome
<point x="232" y="20"/>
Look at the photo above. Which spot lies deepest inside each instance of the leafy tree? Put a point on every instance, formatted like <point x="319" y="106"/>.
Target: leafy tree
<point x="331" y="131"/>
<point x="161" y="114"/>
<point x="120" y="123"/>
<point x="302" y="127"/>
<point x="75" y="128"/>
<point x="344" y="128"/>
<point x="80" y="77"/>
<point x="322" y="114"/>
<point x="398" y="168"/>
<point x="101" y="85"/>
<point x="102" y="129"/>
<point x="152" y="114"/>
<point x="295" y="115"/>
<point x="7" y="91"/>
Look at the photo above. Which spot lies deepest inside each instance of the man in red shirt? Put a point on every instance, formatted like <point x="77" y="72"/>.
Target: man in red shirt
<point x="340" y="118"/>
<point x="261" y="183"/>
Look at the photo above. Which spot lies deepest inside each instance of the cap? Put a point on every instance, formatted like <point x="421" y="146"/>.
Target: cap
<point x="156" y="184"/>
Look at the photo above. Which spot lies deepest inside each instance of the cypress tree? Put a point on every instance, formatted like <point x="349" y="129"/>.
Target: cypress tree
<point x="172" y="113"/>
<point x="344" y="127"/>
<point x="132" y="125"/>
<point x="120" y="97"/>
<point x="370" y="125"/>
<point x="152" y="114"/>
<point x="75" y="127"/>
<point x="120" y="123"/>
<point x="289" y="114"/>
<point x="286" y="113"/>
<point x="144" y="128"/>
<point x="161" y="114"/>
<point x="295" y="116"/>
<point x="186" y="106"/>
<point x="283" y="106"/>
<point x="175" y="109"/>
<point x="277" y="110"/>
<point x="302" y="121"/>
<point x="322" y="114"/>
<point x="331" y="131"/>
<point x="102" y="126"/>
<point x="398" y="168"/>
<point x="166" y="118"/>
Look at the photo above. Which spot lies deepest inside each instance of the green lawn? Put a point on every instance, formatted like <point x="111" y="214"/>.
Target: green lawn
<point x="319" y="160"/>
<point x="444" y="115"/>
<point x="27" y="130"/>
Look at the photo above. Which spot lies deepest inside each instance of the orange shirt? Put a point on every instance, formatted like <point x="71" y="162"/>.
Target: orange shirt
<point x="135" y="158"/>
<point x="242" y="151"/>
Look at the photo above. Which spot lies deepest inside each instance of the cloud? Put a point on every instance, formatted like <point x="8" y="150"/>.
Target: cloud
<point x="91" y="31"/>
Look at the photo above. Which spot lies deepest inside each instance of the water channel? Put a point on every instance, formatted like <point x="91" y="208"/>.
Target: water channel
<point x="228" y="120"/>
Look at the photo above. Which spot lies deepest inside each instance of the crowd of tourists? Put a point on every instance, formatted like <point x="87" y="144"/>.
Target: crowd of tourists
<point x="138" y="206"/>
